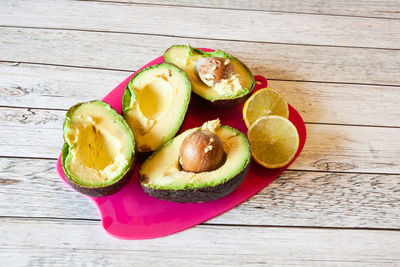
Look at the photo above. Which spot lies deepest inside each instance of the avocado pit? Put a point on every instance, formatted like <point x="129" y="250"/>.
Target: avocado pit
<point x="212" y="70"/>
<point x="201" y="151"/>
<point x="163" y="175"/>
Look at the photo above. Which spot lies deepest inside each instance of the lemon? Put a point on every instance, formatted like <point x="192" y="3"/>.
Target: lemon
<point x="264" y="102"/>
<point x="274" y="141"/>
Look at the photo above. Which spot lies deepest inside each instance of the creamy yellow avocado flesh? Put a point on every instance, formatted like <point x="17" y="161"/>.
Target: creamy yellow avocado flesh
<point x="158" y="104"/>
<point x="100" y="145"/>
<point x="162" y="170"/>
<point x="238" y="85"/>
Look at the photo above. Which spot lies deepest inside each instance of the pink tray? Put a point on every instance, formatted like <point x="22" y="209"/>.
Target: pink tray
<point x="131" y="214"/>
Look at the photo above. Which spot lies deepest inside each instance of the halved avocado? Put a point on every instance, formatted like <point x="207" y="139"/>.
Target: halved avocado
<point x="154" y="104"/>
<point x="162" y="176"/>
<point x="99" y="150"/>
<point x="185" y="58"/>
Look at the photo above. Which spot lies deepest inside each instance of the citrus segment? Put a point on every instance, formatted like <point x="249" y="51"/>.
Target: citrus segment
<point x="274" y="141"/>
<point x="263" y="103"/>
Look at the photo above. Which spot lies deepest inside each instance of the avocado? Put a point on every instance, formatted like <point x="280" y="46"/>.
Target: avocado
<point x="230" y="87"/>
<point x="163" y="177"/>
<point x="99" y="150"/>
<point x="154" y="104"/>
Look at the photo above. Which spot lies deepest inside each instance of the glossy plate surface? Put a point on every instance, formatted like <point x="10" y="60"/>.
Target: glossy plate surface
<point x="131" y="214"/>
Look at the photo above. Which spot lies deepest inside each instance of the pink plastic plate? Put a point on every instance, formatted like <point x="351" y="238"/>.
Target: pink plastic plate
<point x="131" y="214"/>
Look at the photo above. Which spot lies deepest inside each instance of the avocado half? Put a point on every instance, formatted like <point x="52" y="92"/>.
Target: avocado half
<point x="162" y="177"/>
<point x="185" y="57"/>
<point x="99" y="150"/>
<point x="154" y="104"/>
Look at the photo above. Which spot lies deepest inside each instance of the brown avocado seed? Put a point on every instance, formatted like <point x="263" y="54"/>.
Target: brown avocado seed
<point x="201" y="151"/>
<point x="214" y="69"/>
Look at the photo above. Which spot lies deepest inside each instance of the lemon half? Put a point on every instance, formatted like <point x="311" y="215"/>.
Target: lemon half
<point x="274" y="141"/>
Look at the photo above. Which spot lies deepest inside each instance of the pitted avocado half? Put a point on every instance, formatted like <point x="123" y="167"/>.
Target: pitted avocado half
<point x="227" y="93"/>
<point x="162" y="176"/>
<point x="154" y="104"/>
<point x="98" y="154"/>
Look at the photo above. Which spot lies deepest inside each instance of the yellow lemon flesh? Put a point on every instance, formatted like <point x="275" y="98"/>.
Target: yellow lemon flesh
<point x="264" y="102"/>
<point x="274" y="141"/>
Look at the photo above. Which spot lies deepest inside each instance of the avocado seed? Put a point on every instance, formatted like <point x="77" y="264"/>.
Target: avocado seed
<point x="201" y="151"/>
<point x="214" y="69"/>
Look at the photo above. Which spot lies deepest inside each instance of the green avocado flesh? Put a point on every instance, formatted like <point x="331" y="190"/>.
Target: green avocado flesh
<point x="154" y="104"/>
<point x="99" y="147"/>
<point x="162" y="176"/>
<point x="185" y="57"/>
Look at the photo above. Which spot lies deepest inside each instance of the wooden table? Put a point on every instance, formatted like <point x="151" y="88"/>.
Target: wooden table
<point x="337" y="62"/>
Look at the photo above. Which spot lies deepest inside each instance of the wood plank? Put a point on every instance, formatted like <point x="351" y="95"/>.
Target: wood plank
<point x="31" y="132"/>
<point x="328" y="147"/>
<point x="296" y="198"/>
<point x="131" y="51"/>
<point x="42" y="86"/>
<point x="350" y="148"/>
<point x="66" y="243"/>
<point x="39" y="86"/>
<point x="366" y="8"/>
<point x="257" y="26"/>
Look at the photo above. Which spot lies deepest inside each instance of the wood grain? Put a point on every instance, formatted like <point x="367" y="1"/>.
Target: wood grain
<point x="66" y="243"/>
<point x="383" y="9"/>
<point x="41" y="86"/>
<point x="131" y="51"/>
<point x="32" y="188"/>
<point x="328" y="147"/>
<point x="209" y="23"/>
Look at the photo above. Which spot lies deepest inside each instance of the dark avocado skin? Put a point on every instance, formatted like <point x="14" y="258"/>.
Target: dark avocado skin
<point x="224" y="103"/>
<point x="194" y="195"/>
<point x="97" y="191"/>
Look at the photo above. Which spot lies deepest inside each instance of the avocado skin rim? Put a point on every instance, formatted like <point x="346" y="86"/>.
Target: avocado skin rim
<point x="224" y="103"/>
<point x="203" y="194"/>
<point x="98" y="191"/>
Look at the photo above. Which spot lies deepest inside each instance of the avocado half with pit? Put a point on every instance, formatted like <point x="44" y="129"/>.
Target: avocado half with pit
<point x="154" y="104"/>
<point x="228" y="92"/>
<point x="99" y="149"/>
<point x="162" y="176"/>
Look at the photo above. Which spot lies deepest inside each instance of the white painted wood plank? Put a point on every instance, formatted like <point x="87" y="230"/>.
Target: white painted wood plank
<point x="205" y="23"/>
<point x="343" y="103"/>
<point x="39" y="86"/>
<point x="42" y="86"/>
<point x="31" y="132"/>
<point x="328" y="147"/>
<point x="32" y="188"/>
<point x="131" y="51"/>
<point x="66" y="243"/>
<point x="366" y="8"/>
<point x="350" y="148"/>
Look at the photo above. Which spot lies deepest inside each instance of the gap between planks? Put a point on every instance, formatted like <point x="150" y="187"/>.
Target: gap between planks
<point x="287" y="170"/>
<point x="29" y="218"/>
<point x="236" y="9"/>
<point x="347" y="65"/>
<point x="305" y="122"/>
<point x="366" y="32"/>
<point x="196" y="37"/>
<point x="17" y="63"/>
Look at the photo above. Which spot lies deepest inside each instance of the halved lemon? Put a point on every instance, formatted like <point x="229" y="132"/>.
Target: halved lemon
<point x="274" y="141"/>
<point x="264" y="102"/>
